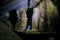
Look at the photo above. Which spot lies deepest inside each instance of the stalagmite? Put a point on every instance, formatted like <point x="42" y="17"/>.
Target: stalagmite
<point x="39" y="13"/>
<point x="22" y="22"/>
<point x="35" y="18"/>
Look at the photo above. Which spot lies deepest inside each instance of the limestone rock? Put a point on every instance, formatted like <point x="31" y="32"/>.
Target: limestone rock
<point x="22" y="22"/>
<point x="51" y="14"/>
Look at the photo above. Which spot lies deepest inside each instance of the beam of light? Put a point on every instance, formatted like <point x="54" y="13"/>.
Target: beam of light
<point x="19" y="4"/>
<point x="28" y="28"/>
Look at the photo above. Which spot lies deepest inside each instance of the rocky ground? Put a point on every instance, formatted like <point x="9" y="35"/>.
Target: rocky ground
<point x="7" y="34"/>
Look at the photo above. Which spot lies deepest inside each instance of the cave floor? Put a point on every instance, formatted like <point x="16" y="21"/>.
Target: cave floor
<point x="38" y="32"/>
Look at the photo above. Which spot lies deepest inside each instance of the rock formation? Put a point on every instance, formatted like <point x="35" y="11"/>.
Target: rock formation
<point x="7" y="34"/>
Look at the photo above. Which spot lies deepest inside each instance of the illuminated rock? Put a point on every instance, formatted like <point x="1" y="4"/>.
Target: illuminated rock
<point x="50" y="10"/>
<point x="45" y="7"/>
<point x="35" y="18"/>
<point x="22" y="23"/>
